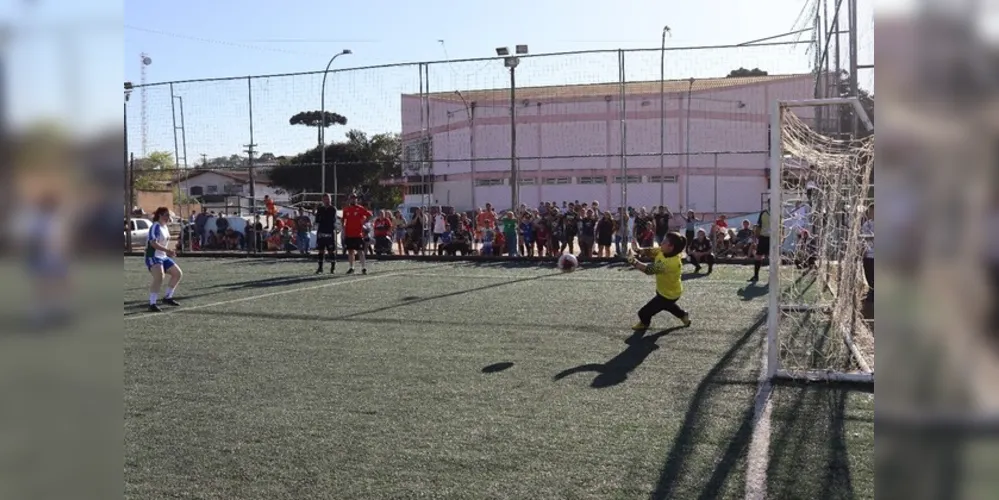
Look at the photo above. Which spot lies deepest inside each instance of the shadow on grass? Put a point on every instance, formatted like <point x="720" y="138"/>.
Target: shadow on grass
<point x="809" y="430"/>
<point x="753" y="291"/>
<point x="616" y="369"/>
<point x="497" y="367"/>
<point x="692" y="276"/>
<point x="688" y="437"/>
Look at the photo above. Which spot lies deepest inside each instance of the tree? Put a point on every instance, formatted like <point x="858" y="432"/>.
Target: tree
<point x="317" y="119"/>
<point x="743" y="72"/>
<point x="362" y="162"/>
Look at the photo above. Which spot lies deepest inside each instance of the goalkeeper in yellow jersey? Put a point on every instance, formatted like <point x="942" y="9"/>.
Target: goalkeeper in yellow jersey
<point x="667" y="266"/>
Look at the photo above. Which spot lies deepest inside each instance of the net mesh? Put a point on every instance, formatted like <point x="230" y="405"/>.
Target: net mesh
<point x="826" y="186"/>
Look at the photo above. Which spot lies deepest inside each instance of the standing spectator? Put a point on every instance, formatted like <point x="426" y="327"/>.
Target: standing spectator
<point x="303" y="225"/>
<point x="485" y="218"/>
<point x="867" y="234"/>
<point x="199" y="227"/>
<point x="690" y="223"/>
<point x="510" y="233"/>
<point x="488" y="236"/>
<point x="542" y="235"/>
<point x="527" y="232"/>
<point x="720" y="225"/>
<point x="805" y="251"/>
<point x="662" y="216"/>
<point x="700" y="252"/>
<point x="644" y="230"/>
<point x="605" y="234"/>
<point x="383" y="232"/>
<point x="587" y="234"/>
<point x="271" y="210"/>
<point x="355" y="216"/>
<point x="623" y="234"/>
<point x="440" y="226"/>
<point x="221" y="226"/>
<point x="570" y="229"/>
<point x="416" y="241"/>
<point x="399" y="224"/>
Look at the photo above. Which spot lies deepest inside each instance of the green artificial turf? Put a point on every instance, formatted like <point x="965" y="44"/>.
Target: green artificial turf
<point x="425" y="380"/>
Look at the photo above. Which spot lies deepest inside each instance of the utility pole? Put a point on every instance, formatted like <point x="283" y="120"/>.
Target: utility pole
<point x="204" y="160"/>
<point x="253" y="193"/>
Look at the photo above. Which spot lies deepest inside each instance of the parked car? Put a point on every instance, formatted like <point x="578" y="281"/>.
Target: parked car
<point x="140" y="231"/>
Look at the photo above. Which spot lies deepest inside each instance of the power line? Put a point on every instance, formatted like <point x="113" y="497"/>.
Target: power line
<point x="216" y="42"/>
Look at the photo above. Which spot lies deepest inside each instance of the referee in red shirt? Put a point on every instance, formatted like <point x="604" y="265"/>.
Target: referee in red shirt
<point x="354" y="217"/>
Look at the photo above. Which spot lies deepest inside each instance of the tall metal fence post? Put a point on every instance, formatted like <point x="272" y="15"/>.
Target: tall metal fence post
<point x="128" y="180"/>
<point x="624" y="134"/>
<point x="716" y="185"/>
<point x="253" y="192"/>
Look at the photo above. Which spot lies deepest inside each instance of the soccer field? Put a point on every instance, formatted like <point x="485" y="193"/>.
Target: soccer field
<point x="461" y="380"/>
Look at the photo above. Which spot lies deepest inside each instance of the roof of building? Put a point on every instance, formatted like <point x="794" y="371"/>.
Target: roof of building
<point x="611" y="88"/>
<point x="242" y="175"/>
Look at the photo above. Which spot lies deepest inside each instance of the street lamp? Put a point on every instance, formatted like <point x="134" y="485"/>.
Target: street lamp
<point x="512" y="62"/>
<point x="322" y="129"/>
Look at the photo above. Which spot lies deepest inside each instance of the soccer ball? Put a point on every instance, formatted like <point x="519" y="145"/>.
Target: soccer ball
<point x="568" y="263"/>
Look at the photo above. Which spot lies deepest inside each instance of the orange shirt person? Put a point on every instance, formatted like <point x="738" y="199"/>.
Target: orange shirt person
<point x="354" y="218"/>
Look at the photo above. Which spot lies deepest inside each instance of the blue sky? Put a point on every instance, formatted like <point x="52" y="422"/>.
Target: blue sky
<point x="189" y="39"/>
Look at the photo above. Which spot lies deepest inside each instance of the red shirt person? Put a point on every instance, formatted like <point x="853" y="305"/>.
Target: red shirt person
<point x="354" y="217"/>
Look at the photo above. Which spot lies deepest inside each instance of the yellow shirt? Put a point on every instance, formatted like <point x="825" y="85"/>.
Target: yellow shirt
<point x="668" y="272"/>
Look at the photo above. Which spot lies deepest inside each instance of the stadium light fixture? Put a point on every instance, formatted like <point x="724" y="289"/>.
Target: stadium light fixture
<point x="502" y="51"/>
<point x="522" y="49"/>
<point x="322" y="129"/>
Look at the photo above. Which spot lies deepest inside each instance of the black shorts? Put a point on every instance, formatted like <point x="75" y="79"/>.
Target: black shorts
<point x="353" y="243"/>
<point x="325" y="242"/>
<point x="763" y="246"/>
<point x="604" y="241"/>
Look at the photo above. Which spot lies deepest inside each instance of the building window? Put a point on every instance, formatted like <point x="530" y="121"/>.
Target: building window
<point x="558" y="180"/>
<point x="196" y="191"/>
<point x="420" y="189"/>
<point x="489" y="182"/>
<point x="669" y="179"/>
<point x="596" y="179"/>
<point x="212" y="189"/>
<point x="417" y="156"/>
<point x="632" y="179"/>
<point x="528" y="181"/>
<point x="237" y="188"/>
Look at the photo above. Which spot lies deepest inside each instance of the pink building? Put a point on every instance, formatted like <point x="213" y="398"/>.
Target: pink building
<point x="569" y="143"/>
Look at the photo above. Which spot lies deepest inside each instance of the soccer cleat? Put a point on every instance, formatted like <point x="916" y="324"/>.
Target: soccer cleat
<point x="333" y="270"/>
<point x="685" y="320"/>
<point x="640" y="326"/>
<point x="364" y="270"/>
<point x="320" y="270"/>
<point x="350" y="271"/>
<point x="153" y="308"/>
<point x="697" y="269"/>
<point x="169" y="301"/>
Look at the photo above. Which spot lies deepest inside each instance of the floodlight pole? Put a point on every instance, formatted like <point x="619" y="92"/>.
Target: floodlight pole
<point x="514" y="181"/>
<point x="322" y="123"/>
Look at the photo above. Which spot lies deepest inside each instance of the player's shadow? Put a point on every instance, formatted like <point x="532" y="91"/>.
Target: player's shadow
<point x="753" y="291"/>
<point x="616" y="369"/>
<point x="271" y="282"/>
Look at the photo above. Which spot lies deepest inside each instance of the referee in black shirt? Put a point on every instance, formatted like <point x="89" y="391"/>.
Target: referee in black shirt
<point x="325" y="239"/>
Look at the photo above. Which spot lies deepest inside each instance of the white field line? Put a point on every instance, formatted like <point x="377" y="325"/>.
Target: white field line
<point x="574" y="277"/>
<point x="261" y="296"/>
<point x="758" y="459"/>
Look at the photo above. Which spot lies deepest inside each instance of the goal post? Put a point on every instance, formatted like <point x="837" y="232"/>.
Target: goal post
<point x="819" y="189"/>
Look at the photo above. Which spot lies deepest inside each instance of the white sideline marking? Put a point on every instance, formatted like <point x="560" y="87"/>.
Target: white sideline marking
<point x="758" y="457"/>
<point x="262" y="296"/>
<point x="572" y="277"/>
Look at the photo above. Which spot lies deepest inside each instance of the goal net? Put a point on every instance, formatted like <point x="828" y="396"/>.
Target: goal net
<point x="820" y="322"/>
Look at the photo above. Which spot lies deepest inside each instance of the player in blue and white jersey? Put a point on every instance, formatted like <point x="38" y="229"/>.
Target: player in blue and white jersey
<point x="159" y="260"/>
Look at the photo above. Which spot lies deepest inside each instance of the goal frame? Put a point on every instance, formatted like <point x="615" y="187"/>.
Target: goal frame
<point x="773" y="369"/>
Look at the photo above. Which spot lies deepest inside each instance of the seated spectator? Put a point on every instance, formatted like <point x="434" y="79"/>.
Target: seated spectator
<point x="462" y="243"/>
<point x="722" y="244"/>
<point x="744" y="240"/>
<point x="700" y="252"/>
<point x="444" y="242"/>
<point x="286" y="239"/>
